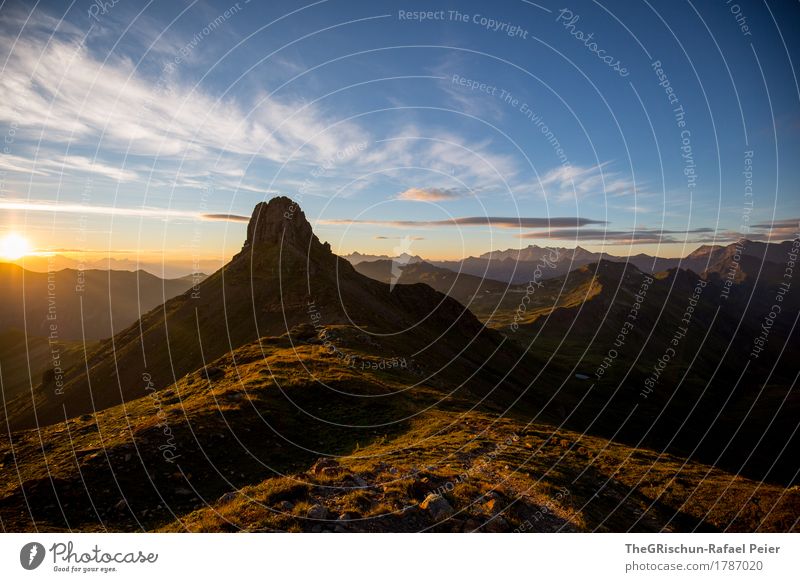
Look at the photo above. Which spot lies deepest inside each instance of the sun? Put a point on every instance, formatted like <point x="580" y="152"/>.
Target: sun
<point x="14" y="246"/>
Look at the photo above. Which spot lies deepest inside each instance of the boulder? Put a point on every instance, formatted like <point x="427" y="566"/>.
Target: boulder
<point x="317" y="511"/>
<point x="226" y="497"/>
<point x="322" y="464"/>
<point x="437" y="506"/>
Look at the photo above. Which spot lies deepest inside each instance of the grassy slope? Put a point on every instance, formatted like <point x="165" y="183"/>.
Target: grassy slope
<point x="24" y="365"/>
<point x="704" y="403"/>
<point x="244" y="444"/>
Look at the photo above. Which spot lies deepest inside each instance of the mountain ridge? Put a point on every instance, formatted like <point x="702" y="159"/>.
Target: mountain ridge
<point x="269" y="288"/>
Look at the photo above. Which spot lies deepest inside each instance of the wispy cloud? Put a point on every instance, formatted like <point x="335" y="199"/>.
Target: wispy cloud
<point x="414" y="153"/>
<point x="225" y="217"/>
<point x="576" y="182"/>
<point x="44" y="163"/>
<point x="479" y="103"/>
<point x="430" y="194"/>
<point x="381" y="237"/>
<point x="144" y="212"/>
<point x="778" y="230"/>
<point x="784" y="229"/>
<point x="57" y="86"/>
<point x="637" y="236"/>
<point x="492" y="221"/>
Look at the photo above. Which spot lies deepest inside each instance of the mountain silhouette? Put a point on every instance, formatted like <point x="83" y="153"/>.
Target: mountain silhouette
<point x="90" y="304"/>
<point x="283" y="281"/>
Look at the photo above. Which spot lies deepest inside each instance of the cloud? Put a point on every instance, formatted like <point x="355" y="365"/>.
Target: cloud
<point x="569" y="182"/>
<point x="637" y="236"/>
<point x="492" y="221"/>
<point x="786" y="223"/>
<point x="143" y="212"/>
<point x="415" y="154"/>
<point x="429" y="194"/>
<point x="785" y="229"/>
<point x="227" y="217"/>
<point x="45" y="163"/>
<point x="380" y="237"/>
<point x="90" y="166"/>
<point x="57" y="86"/>
<point x="83" y="250"/>
<point x="778" y="230"/>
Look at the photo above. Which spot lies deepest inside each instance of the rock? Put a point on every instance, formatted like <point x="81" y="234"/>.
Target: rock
<point x="303" y="332"/>
<point x="323" y="463"/>
<point x="226" y="497"/>
<point x="349" y="516"/>
<point x="471" y="525"/>
<point x="409" y="510"/>
<point x="183" y="491"/>
<point x="317" y="512"/>
<point x="331" y="471"/>
<point x="212" y="373"/>
<point x="121" y="505"/>
<point x="497" y="525"/>
<point x="279" y="221"/>
<point x="438" y="506"/>
<point x="359" y="481"/>
<point x="285" y="506"/>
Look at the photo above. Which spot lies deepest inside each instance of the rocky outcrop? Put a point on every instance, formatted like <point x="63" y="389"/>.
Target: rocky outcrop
<point x="281" y="222"/>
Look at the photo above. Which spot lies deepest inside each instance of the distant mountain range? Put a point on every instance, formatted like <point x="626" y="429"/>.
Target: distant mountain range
<point x="172" y="269"/>
<point x="291" y="390"/>
<point x="519" y="265"/>
<point x="576" y="320"/>
<point x="404" y="258"/>
<point x="77" y="305"/>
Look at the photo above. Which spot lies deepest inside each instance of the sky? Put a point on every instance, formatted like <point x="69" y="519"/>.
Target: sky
<point x="150" y="130"/>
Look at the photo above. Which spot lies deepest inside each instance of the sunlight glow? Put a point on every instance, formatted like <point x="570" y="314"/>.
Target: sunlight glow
<point x="14" y="246"/>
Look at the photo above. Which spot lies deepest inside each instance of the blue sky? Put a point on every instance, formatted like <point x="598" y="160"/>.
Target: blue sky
<point x="126" y="126"/>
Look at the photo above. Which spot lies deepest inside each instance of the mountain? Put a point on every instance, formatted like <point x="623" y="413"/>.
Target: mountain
<point x="462" y="287"/>
<point x="290" y="392"/>
<point x="672" y="360"/>
<point x="572" y="322"/>
<point x="404" y="258"/>
<point x="517" y="266"/>
<point x="534" y="253"/>
<point x="284" y="280"/>
<point x="165" y="269"/>
<point x="24" y="357"/>
<point x="74" y="305"/>
<point x="283" y="437"/>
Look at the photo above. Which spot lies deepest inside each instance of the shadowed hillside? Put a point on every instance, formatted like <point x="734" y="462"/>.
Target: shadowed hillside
<point x="289" y="392"/>
<point x="283" y="278"/>
<point x="77" y="305"/>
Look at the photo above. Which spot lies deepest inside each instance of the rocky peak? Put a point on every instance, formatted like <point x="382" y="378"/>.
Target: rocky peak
<point x="279" y="221"/>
